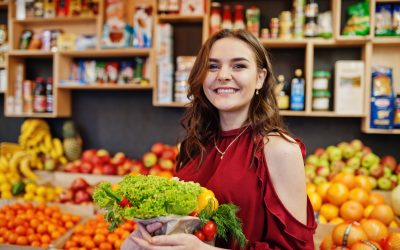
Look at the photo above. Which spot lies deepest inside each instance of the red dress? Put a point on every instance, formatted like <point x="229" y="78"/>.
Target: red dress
<point x="267" y="224"/>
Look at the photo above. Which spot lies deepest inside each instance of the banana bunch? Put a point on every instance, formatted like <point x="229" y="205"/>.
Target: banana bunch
<point x="21" y="162"/>
<point x="9" y="148"/>
<point x="35" y="138"/>
<point x="7" y="177"/>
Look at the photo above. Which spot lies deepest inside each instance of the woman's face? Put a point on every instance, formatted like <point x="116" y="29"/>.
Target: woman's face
<point x="233" y="76"/>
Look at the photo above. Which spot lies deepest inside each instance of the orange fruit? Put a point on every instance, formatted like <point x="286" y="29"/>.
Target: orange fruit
<point x="356" y="233"/>
<point x="322" y="189"/>
<point x="376" y="199"/>
<point x="329" y="211"/>
<point x="337" y="193"/>
<point x="368" y="210"/>
<point x="351" y="211"/>
<point x="360" y="195"/>
<point x="165" y="174"/>
<point x="326" y="243"/>
<point x="394" y="224"/>
<point x="315" y="200"/>
<point x="363" y="182"/>
<point x="345" y="178"/>
<point x="336" y="221"/>
<point x="382" y="212"/>
<point x="366" y="245"/>
<point x="22" y="241"/>
<point x="375" y="229"/>
<point x="310" y="187"/>
<point x="322" y="219"/>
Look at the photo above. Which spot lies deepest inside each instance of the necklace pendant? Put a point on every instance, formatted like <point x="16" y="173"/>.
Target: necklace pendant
<point x="222" y="156"/>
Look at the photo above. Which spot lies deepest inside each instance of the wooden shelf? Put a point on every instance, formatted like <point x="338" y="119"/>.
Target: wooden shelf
<point x="316" y="114"/>
<point x="176" y="18"/>
<point x="387" y="1"/>
<point x="171" y="104"/>
<point x="2" y="65"/>
<point x="105" y="86"/>
<point x="124" y="52"/>
<point x="292" y="113"/>
<point x="31" y="53"/>
<point x="56" y="20"/>
<point x="3" y="5"/>
<point x="353" y="40"/>
<point x="36" y="115"/>
<point x="386" y="40"/>
<point x="382" y="131"/>
<point x="282" y="43"/>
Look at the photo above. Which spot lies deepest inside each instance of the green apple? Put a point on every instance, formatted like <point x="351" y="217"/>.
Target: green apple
<point x="387" y="172"/>
<point x="335" y="154"/>
<point x="348" y="151"/>
<point x="337" y="166"/>
<point x="312" y="159"/>
<point x="354" y="162"/>
<point x="358" y="154"/>
<point x="310" y="171"/>
<point x="369" y="159"/>
<point x="373" y="182"/>
<point x="384" y="183"/>
<point x="322" y="171"/>
<point x="362" y="171"/>
<point x="348" y="170"/>
<point x="357" y="145"/>
<point x="323" y="162"/>
<point x="319" y="180"/>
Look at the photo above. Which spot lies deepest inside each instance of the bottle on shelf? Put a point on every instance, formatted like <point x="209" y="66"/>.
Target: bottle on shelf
<point x="49" y="95"/>
<point x="239" y="22"/>
<point x="311" y="13"/>
<point x="253" y="20"/>
<point x="227" y="18"/>
<point x="297" y="91"/>
<point x="282" y="92"/>
<point x="39" y="96"/>
<point x="215" y="17"/>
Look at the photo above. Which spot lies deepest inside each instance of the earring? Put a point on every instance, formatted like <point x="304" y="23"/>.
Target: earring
<point x="256" y="91"/>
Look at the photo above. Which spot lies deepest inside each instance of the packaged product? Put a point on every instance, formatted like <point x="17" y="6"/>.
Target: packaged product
<point x="112" y="71"/>
<point x="49" y="9"/>
<point x="383" y="20"/>
<point x="126" y="72"/>
<point x="142" y="27"/>
<point x="396" y="120"/>
<point x="358" y="20"/>
<point x="90" y="72"/>
<point x="25" y="39"/>
<point x="192" y="7"/>
<point x="84" y="42"/>
<point x="325" y="25"/>
<point x="66" y="41"/>
<point x="396" y="19"/>
<point x="101" y="73"/>
<point x="382" y="98"/>
<point x="74" y="7"/>
<point x="62" y="7"/>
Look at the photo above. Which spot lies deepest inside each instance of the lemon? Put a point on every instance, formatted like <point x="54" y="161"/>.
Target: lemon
<point x="2" y="178"/>
<point x="28" y="196"/>
<point x="30" y="188"/>
<point x="59" y="190"/>
<point x="39" y="199"/>
<point x="6" y="195"/>
<point x="41" y="191"/>
<point x="5" y="187"/>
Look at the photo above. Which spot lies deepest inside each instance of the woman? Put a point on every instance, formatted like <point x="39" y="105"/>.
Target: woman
<point x="237" y="146"/>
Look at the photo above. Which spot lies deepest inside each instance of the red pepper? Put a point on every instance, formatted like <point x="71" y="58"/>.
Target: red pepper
<point x="122" y="201"/>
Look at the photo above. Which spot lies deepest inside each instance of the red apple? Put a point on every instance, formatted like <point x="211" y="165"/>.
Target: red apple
<point x="397" y="170"/>
<point x="98" y="169"/>
<point x="149" y="159"/>
<point x="319" y="151"/>
<point x="88" y="154"/>
<point x="121" y="171"/>
<point x="168" y="154"/>
<point x="66" y="195"/>
<point x="109" y="169"/>
<point x="104" y="156"/>
<point x="118" y="159"/>
<point x="166" y="164"/>
<point x="69" y="167"/>
<point x="79" y="184"/>
<point x="366" y="150"/>
<point x="82" y="196"/>
<point x="136" y="166"/>
<point x="86" y="167"/>
<point x="155" y="170"/>
<point x="157" y="148"/>
<point x="389" y="162"/>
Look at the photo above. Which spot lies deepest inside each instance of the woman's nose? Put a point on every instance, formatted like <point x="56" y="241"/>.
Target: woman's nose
<point x="224" y="74"/>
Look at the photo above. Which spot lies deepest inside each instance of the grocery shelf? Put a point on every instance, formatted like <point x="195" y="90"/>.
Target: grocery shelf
<point x="65" y="179"/>
<point x="382" y="131"/>
<point x="353" y="40"/>
<point x="123" y="52"/>
<point x="2" y="65"/>
<point x="55" y="20"/>
<point x="386" y="40"/>
<point x="387" y="1"/>
<point x="170" y="18"/>
<point x="170" y="104"/>
<point x="31" y="53"/>
<point x="283" y="43"/>
<point x="105" y="86"/>
<point x="3" y="5"/>
<point x="33" y="115"/>
<point x="332" y="114"/>
<point x="292" y="113"/>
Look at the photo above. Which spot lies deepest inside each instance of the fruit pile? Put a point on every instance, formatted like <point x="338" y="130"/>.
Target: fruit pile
<point x="80" y="192"/>
<point x="27" y="224"/>
<point x="349" y="198"/>
<point x="160" y="161"/>
<point x="41" y="193"/>
<point x="355" y="158"/>
<point x="94" y="234"/>
<point x="369" y="234"/>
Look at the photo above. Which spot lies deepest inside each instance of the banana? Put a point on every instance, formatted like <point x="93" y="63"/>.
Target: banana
<point x="15" y="159"/>
<point x="37" y="138"/>
<point x="9" y="148"/>
<point x="63" y="160"/>
<point x="39" y="165"/>
<point x="26" y="170"/>
<point x="58" y="147"/>
<point x="47" y="142"/>
<point x="3" y="164"/>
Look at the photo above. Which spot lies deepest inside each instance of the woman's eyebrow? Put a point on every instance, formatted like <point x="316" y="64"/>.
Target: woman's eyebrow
<point x="236" y="59"/>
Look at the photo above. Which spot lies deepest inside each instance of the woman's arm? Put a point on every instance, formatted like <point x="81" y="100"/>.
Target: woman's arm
<point x="286" y="168"/>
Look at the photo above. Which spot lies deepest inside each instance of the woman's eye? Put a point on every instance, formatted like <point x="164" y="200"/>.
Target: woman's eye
<point x="239" y="66"/>
<point x="212" y="66"/>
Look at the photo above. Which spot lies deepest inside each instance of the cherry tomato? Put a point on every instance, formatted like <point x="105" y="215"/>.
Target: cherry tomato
<point x="209" y="230"/>
<point x="199" y="234"/>
<point x="194" y="213"/>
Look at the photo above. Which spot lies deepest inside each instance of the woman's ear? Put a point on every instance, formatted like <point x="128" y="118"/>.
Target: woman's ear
<point x="262" y="74"/>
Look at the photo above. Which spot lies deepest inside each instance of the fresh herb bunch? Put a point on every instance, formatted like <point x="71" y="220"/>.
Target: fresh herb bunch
<point x="228" y="224"/>
<point x="149" y="197"/>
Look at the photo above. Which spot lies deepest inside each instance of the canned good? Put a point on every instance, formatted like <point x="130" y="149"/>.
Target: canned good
<point x="321" y="79"/>
<point x="3" y="34"/>
<point x="321" y="100"/>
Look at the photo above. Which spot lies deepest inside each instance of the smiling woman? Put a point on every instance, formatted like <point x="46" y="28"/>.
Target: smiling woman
<point x="237" y="146"/>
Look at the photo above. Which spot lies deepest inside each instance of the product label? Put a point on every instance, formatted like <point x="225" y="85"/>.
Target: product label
<point x="39" y="103"/>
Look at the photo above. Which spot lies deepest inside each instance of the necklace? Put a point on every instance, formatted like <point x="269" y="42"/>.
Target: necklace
<point x="230" y="144"/>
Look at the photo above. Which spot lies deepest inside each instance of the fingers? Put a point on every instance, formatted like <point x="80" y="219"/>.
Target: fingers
<point x="151" y="228"/>
<point x="147" y="246"/>
<point x="170" y="240"/>
<point x="144" y="233"/>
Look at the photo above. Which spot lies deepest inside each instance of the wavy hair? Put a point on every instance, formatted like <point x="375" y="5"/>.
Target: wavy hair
<point x="201" y="119"/>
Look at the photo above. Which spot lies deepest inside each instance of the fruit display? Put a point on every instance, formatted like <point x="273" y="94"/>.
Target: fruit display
<point x="349" y="198"/>
<point x="352" y="157"/>
<point x="33" y="225"/>
<point x="160" y="161"/>
<point x="94" y="234"/>
<point x="80" y="192"/>
<point x="369" y="234"/>
<point x="72" y="142"/>
<point x="152" y="197"/>
<point x="41" y="193"/>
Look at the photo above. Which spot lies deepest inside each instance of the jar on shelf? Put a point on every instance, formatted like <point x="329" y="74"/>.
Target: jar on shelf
<point x="321" y="79"/>
<point x="321" y="100"/>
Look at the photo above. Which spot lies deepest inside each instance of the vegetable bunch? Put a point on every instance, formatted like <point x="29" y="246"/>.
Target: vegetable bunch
<point x="145" y="197"/>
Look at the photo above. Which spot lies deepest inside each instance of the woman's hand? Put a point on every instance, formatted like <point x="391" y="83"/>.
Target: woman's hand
<point x="170" y="242"/>
<point x="140" y="233"/>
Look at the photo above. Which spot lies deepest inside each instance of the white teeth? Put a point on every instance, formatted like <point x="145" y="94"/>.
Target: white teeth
<point x="226" y="91"/>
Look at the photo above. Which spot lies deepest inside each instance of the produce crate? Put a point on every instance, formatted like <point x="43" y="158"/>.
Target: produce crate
<point x="65" y="179"/>
<point x="84" y="211"/>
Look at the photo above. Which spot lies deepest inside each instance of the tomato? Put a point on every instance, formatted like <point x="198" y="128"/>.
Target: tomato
<point x="209" y="230"/>
<point x="194" y="213"/>
<point x="199" y="234"/>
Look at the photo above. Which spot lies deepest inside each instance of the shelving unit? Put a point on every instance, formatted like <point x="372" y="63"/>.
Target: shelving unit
<point x="105" y="86"/>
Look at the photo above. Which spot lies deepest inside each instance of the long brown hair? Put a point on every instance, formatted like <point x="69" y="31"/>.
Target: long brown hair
<point x="201" y="119"/>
